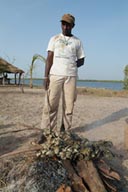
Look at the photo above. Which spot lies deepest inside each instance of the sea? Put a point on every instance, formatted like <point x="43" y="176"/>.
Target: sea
<point x="113" y="85"/>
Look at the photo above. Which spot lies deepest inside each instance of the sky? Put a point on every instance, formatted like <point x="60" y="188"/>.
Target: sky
<point x="102" y="25"/>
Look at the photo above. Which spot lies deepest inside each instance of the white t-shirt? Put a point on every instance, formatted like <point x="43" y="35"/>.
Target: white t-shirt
<point x="67" y="50"/>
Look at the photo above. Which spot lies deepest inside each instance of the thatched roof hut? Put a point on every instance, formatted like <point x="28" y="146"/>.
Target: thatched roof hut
<point x="6" y="67"/>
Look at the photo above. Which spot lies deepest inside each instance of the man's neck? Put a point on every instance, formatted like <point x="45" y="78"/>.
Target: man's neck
<point x="68" y="35"/>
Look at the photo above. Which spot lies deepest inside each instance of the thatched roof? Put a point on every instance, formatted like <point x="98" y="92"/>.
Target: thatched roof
<point x="8" y="68"/>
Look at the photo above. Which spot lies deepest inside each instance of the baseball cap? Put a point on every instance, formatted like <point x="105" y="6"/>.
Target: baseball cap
<point x="68" y="18"/>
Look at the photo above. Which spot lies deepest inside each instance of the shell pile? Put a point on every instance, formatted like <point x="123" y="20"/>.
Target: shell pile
<point x="67" y="145"/>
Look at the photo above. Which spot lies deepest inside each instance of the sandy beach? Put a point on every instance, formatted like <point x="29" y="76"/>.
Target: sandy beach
<point x="95" y="117"/>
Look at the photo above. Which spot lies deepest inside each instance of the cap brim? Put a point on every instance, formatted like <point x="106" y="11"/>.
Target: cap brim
<point x="66" y="22"/>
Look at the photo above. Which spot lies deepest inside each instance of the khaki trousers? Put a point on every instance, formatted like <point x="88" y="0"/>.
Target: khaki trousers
<point x="59" y="85"/>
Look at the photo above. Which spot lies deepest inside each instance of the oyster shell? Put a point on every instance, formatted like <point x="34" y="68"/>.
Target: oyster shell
<point x="67" y="145"/>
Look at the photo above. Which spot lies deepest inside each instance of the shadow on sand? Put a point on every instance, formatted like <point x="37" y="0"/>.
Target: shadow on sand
<point x="113" y="117"/>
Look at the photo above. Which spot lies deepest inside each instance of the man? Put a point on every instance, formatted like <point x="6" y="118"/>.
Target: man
<point x="65" y="55"/>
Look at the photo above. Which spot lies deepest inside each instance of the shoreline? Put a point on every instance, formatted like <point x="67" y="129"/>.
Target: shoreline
<point x="80" y="90"/>
<point x="109" y="84"/>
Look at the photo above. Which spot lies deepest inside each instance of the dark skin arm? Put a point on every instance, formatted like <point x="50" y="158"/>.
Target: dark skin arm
<point x="80" y="62"/>
<point x="49" y="62"/>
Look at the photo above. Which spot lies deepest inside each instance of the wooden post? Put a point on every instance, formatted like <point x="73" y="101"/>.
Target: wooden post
<point x="15" y="79"/>
<point x="126" y="135"/>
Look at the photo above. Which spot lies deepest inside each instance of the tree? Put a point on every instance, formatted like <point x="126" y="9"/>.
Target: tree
<point x="35" y="57"/>
<point x="126" y="77"/>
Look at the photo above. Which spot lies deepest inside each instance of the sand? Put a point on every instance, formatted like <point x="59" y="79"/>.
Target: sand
<point x="96" y="118"/>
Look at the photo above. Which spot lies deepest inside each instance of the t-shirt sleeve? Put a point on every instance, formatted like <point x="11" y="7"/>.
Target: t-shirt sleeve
<point x="80" y="51"/>
<point x="51" y="45"/>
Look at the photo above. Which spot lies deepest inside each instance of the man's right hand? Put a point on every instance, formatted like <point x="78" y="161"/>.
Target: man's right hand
<point x="46" y="83"/>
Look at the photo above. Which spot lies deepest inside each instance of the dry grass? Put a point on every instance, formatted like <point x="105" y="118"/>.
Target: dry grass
<point x="102" y="92"/>
<point x="80" y="90"/>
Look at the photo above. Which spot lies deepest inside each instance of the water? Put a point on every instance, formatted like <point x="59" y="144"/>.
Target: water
<point x="93" y="84"/>
<point x="100" y="84"/>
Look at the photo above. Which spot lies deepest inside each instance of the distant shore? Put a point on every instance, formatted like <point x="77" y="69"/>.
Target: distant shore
<point x="107" y="84"/>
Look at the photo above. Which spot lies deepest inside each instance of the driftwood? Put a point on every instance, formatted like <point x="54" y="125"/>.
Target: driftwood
<point x="107" y="171"/>
<point x="21" y="151"/>
<point x="90" y="176"/>
<point x="64" y="188"/>
<point x="76" y="181"/>
<point x="86" y="177"/>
